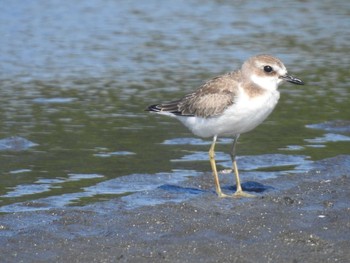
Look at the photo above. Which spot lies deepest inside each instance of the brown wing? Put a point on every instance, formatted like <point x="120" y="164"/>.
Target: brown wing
<point x="209" y="100"/>
<point x="212" y="98"/>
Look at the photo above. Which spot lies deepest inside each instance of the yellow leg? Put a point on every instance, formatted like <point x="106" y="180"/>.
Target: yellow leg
<point x="213" y="167"/>
<point x="239" y="192"/>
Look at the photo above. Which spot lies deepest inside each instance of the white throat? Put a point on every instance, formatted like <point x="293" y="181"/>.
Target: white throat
<point x="267" y="83"/>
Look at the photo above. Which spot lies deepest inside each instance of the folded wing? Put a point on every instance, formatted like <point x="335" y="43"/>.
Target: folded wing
<point x="209" y="100"/>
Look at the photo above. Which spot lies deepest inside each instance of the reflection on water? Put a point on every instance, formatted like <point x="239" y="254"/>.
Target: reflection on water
<point x="76" y="77"/>
<point x="15" y="143"/>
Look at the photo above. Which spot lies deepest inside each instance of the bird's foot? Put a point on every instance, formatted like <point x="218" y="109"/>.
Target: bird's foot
<point x="222" y="195"/>
<point x="237" y="194"/>
<point x="240" y="193"/>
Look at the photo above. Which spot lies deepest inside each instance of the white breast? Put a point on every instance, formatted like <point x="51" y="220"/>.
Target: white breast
<point x="243" y="116"/>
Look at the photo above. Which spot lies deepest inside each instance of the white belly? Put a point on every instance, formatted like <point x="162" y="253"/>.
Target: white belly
<point x="241" y="117"/>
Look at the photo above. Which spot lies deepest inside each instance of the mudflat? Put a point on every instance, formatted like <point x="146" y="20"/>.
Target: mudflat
<point x="303" y="218"/>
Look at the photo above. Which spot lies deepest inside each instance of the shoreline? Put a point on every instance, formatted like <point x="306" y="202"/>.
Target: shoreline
<point x="307" y="222"/>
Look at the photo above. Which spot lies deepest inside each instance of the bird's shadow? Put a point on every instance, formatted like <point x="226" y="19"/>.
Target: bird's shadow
<point x="249" y="186"/>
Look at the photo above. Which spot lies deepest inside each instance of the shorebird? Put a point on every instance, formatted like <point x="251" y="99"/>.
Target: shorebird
<point x="229" y="105"/>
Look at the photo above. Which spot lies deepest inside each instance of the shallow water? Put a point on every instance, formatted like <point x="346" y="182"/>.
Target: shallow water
<point x="75" y="79"/>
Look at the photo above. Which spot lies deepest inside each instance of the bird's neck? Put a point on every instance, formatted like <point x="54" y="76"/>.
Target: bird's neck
<point x="265" y="83"/>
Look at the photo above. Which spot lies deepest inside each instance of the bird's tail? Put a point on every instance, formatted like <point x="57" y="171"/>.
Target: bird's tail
<point x="154" y="108"/>
<point x="171" y="107"/>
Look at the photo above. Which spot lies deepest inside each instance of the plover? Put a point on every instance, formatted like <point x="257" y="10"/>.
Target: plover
<point x="229" y="105"/>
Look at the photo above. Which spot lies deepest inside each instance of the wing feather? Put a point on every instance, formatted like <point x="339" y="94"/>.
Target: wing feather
<point x="211" y="99"/>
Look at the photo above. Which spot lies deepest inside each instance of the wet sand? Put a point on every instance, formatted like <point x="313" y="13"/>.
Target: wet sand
<point x="304" y="218"/>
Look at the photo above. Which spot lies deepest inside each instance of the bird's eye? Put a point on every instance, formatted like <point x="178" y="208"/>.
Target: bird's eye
<point x="268" y="69"/>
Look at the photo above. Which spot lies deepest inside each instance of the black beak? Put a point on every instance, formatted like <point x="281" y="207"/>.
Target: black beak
<point x="292" y="79"/>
